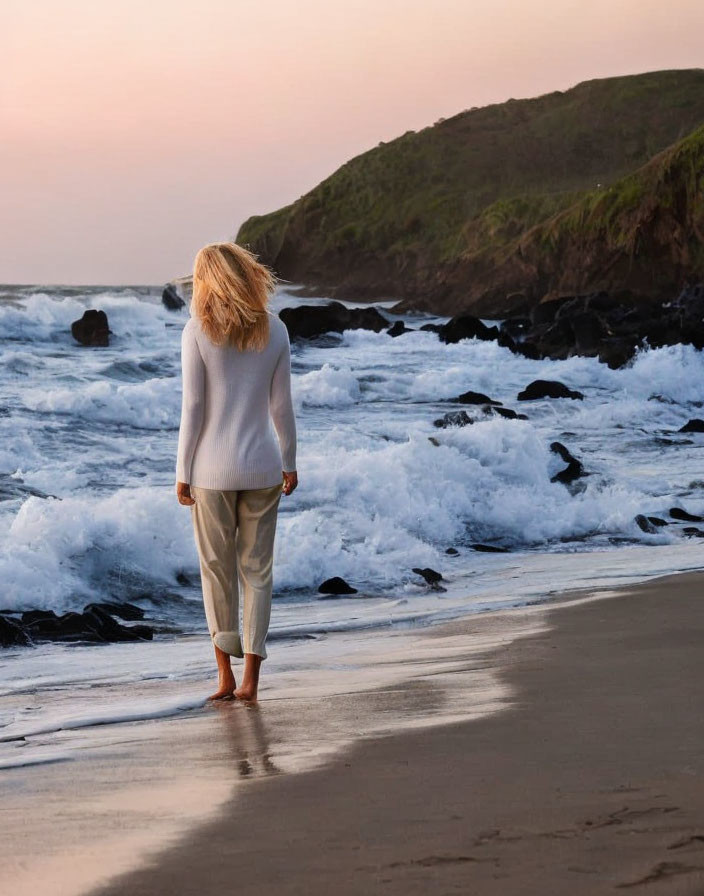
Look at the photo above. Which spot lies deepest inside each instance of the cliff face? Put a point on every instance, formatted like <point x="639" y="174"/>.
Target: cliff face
<point x="644" y="233"/>
<point x="534" y="197"/>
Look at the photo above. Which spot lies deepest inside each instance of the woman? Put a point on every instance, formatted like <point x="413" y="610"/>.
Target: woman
<point x="230" y="469"/>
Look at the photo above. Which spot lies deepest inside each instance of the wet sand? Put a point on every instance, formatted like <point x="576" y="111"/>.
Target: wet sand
<point x="589" y="780"/>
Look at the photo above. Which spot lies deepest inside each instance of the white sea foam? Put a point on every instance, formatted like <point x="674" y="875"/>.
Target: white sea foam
<point x="154" y="404"/>
<point x="117" y="712"/>
<point x="328" y="387"/>
<point x="56" y="552"/>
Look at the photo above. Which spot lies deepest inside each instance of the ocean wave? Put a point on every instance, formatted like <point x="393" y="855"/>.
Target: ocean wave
<point x="57" y="553"/>
<point x="154" y="404"/>
<point x="327" y="387"/>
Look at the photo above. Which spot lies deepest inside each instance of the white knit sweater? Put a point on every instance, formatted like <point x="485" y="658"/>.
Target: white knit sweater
<point x="230" y="398"/>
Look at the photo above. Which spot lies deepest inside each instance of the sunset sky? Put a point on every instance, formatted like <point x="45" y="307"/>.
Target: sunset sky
<point x="135" y="132"/>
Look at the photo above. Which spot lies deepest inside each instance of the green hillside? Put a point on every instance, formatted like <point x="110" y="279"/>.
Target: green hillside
<point x="645" y="232"/>
<point x="416" y="217"/>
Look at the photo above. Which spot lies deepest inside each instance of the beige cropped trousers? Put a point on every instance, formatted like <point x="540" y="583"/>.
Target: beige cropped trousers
<point x="234" y="533"/>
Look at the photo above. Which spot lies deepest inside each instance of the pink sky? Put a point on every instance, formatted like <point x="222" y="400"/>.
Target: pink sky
<point x="135" y="132"/>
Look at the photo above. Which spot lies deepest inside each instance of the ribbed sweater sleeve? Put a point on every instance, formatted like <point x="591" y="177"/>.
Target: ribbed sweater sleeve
<point x="281" y="407"/>
<point x="192" y="403"/>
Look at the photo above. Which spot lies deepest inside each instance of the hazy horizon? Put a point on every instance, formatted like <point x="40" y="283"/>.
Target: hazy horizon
<point x="136" y="134"/>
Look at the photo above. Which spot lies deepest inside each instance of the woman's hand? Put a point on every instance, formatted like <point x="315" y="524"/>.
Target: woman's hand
<point x="183" y="492"/>
<point x="290" y="481"/>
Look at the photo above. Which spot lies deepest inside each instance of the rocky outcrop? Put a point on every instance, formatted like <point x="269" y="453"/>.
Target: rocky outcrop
<point x="608" y="326"/>
<point x="12" y="634"/>
<point x="453" y="418"/>
<point x="678" y="513"/>
<point x="92" y="329"/>
<point x="336" y="585"/>
<point x="96" y="624"/>
<point x="574" y="469"/>
<point x="431" y="576"/>
<point x="547" y="389"/>
<point x="695" y="425"/>
<point x="399" y="328"/>
<point x="611" y="326"/>
<point x="309" y="321"/>
<point x="466" y="326"/>
<point x="171" y="299"/>
<point x="470" y="397"/>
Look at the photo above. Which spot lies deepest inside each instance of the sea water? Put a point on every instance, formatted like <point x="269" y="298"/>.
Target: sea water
<point x="88" y="508"/>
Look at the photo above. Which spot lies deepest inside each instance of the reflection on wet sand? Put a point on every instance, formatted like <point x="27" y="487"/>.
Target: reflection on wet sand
<point x="245" y="732"/>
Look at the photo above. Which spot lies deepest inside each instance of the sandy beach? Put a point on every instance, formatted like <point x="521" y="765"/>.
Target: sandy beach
<point x="588" y="781"/>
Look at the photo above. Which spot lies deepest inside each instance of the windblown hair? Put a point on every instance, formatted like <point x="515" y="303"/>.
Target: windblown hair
<point x="231" y="292"/>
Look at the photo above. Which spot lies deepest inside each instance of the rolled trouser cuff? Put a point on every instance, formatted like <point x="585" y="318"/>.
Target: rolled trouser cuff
<point x="229" y="642"/>
<point x="259" y="650"/>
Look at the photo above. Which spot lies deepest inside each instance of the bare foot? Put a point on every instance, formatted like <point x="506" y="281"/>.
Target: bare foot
<point x="226" y="689"/>
<point x="246" y="693"/>
<point x="226" y="678"/>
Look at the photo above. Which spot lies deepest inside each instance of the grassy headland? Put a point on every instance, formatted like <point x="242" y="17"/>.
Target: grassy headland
<point x="497" y="207"/>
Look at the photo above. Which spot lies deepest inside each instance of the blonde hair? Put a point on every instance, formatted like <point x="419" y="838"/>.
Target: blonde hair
<point x="231" y="292"/>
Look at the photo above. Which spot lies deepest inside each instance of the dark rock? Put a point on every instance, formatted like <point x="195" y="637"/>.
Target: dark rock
<point x="122" y="609"/>
<point x="398" y="329"/>
<point x="110" y="629"/>
<point x="95" y="624"/>
<point x="12" y="634"/>
<point x="529" y="350"/>
<point x="515" y="327"/>
<point x="585" y="303"/>
<point x="506" y="341"/>
<point x="435" y="328"/>
<point x="454" y="418"/>
<point x="657" y="521"/>
<point x="308" y="321"/>
<point x="695" y="425"/>
<point x="617" y="351"/>
<point x="645" y="524"/>
<point x="336" y="585"/>
<point x="92" y="328"/>
<point x="183" y="579"/>
<point x="41" y="623"/>
<point x="693" y="532"/>
<point x="451" y="551"/>
<point x="466" y="326"/>
<point x="74" y="624"/>
<point x="574" y="468"/>
<point x="489" y="548"/>
<point x="507" y="412"/>
<point x="588" y="329"/>
<point x="547" y="389"/>
<point x="544" y="312"/>
<point x="99" y="621"/>
<point x="31" y="616"/>
<point x="610" y="326"/>
<point x="431" y="576"/>
<point x="434" y="441"/>
<point x="678" y="514"/>
<point x="474" y="398"/>
<point x="171" y="299"/>
<point x="555" y="340"/>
